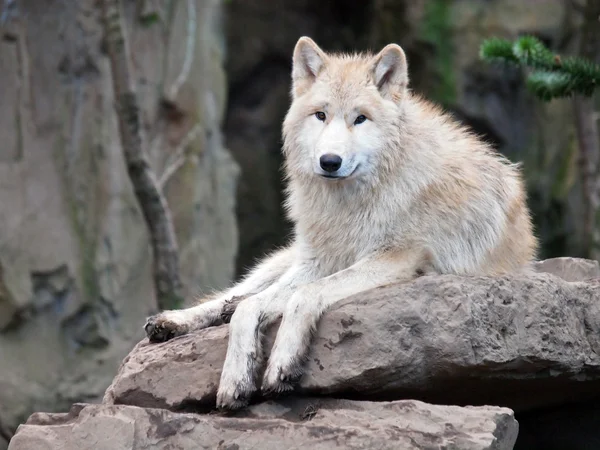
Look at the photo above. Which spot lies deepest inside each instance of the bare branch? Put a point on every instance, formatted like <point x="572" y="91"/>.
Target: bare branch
<point x="179" y="156"/>
<point x="189" y="52"/>
<point x="154" y="207"/>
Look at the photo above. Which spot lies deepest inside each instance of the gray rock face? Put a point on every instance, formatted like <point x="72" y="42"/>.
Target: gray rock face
<point x="75" y="267"/>
<point x="184" y="370"/>
<point x="570" y="269"/>
<point x="319" y="424"/>
<point x="444" y="339"/>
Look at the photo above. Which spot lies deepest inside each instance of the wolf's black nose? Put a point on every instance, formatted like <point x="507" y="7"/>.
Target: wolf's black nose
<point x="330" y="162"/>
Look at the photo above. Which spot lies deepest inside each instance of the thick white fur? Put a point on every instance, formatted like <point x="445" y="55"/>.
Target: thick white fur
<point x="415" y="193"/>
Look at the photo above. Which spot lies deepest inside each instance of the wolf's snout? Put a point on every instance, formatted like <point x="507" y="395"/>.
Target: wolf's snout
<point x="330" y="162"/>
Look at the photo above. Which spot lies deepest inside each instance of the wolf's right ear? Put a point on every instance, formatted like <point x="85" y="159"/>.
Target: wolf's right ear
<point x="390" y="72"/>
<point x="308" y="60"/>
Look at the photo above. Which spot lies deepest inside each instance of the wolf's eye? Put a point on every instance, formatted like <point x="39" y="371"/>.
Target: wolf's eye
<point x="360" y="119"/>
<point x="321" y="116"/>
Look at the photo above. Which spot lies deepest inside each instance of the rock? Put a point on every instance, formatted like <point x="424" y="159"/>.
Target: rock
<point x="75" y="267"/>
<point x="570" y="269"/>
<point x="171" y="375"/>
<point x="443" y="339"/>
<point x="292" y="423"/>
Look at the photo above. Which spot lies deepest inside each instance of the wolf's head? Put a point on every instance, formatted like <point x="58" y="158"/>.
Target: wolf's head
<point x="345" y="111"/>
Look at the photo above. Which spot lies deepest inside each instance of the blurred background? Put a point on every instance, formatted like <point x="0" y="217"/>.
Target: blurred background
<point x="213" y="79"/>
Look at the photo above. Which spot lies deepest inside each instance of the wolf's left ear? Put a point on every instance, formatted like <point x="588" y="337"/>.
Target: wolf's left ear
<point x="308" y="61"/>
<point x="390" y="72"/>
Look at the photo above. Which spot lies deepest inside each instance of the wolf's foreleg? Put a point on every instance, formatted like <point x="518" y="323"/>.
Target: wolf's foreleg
<point x="171" y="323"/>
<point x="244" y="350"/>
<point x="308" y="303"/>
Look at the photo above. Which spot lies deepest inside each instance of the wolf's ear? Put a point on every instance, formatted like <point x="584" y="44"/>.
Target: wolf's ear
<point x="308" y="60"/>
<point x="390" y="72"/>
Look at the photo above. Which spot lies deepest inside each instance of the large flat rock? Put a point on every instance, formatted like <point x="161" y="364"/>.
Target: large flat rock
<point x="291" y="423"/>
<point x="516" y="341"/>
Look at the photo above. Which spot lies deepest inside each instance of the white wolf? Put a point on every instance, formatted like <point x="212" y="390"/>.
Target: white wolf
<point x="382" y="187"/>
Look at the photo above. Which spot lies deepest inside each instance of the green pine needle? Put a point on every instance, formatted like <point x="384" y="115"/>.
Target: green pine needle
<point x="551" y="76"/>
<point x="496" y="49"/>
<point x="547" y="85"/>
<point x="532" y="52"/>
<point x="585" y="73"/>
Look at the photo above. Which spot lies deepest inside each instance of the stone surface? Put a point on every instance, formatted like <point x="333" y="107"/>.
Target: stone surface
<point x="570" y="269"/>
<point x="75" y="266"/>
<point x="517" y="341"/>
<point x="308" y="423"/>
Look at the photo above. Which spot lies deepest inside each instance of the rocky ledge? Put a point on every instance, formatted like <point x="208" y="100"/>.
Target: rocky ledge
<point x="291" y="423"/>
<point x="519" y="342"/>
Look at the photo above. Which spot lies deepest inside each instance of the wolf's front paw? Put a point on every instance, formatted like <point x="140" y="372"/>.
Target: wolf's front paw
<point x="165" y="326"/>
<point x="234" y="395"/>
<point x="280" y="378"/>
<point x="237" y="384"/>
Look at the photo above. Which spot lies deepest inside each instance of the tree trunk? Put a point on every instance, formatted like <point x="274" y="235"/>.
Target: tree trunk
<point x="587" y="136"/>
<point x="152" y="202"/>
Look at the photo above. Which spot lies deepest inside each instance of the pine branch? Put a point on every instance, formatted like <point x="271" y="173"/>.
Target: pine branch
<point x="496" y="49"/>
<point x="586" y="74"/>
<point x="550" y="76"/>
<point x="531" y="52"/>
<point x="547" y="85"/>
